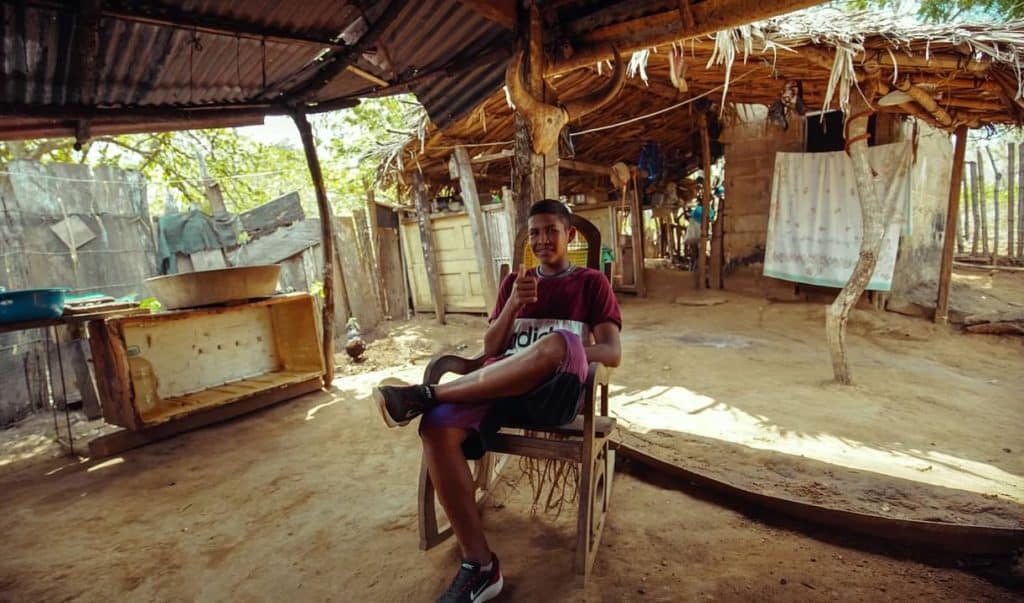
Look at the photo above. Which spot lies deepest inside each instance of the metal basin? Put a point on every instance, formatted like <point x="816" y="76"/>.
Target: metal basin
<point x="209" y="287"/>
<point x="31" y="304"/>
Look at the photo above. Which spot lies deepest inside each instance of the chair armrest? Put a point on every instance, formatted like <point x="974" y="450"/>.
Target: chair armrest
<point x="450" y="364"/>
<point x="595" y="391"/>
<point x="598" y="374"/>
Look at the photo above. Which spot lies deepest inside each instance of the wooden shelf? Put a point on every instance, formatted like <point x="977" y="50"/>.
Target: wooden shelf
<point x="180" y="406"/>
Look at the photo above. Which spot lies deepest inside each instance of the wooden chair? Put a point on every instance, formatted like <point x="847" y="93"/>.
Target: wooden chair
<point x="584" y="440"/>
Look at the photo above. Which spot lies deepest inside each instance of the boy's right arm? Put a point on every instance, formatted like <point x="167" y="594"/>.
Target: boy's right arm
<point x="524" y="291"/>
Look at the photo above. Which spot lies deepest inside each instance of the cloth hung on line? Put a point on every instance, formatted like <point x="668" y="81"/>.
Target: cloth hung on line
<point x="815" y="228"/>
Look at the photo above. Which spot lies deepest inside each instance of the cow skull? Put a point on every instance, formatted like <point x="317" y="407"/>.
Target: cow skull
<point x="546" y="121"/>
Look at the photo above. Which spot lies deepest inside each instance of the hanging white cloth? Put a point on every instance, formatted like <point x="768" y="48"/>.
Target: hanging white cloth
<point x="815" y="229"/>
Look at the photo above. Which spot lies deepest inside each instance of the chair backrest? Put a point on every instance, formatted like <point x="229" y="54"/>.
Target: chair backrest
<point x="584" y="251"/>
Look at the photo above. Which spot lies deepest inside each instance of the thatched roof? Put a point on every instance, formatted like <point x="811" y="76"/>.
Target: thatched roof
<point x="956" y="74"/>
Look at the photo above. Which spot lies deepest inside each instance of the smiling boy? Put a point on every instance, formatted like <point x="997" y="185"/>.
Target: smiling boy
<point x="548" y="324"/>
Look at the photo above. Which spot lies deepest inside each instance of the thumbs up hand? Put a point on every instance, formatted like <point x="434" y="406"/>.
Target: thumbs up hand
<point x="524" y="291"/>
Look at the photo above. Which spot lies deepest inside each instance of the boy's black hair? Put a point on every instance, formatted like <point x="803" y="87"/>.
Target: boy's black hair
<point x="553" y="207"/>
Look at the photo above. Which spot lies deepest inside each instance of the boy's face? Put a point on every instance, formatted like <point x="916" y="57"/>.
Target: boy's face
<point x="549" y="238"/>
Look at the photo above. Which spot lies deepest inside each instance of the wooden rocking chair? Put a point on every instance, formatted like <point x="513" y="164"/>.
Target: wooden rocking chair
<point x="584" y="440"/>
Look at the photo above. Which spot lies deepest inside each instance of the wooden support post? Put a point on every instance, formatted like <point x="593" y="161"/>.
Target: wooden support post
<point x="975" y="217"/>
<point x="995" y="202"/>
<point x="952" y="209"/>
<point x="980" y="162"/>
<point x="1020" y="202"/>
<point x="964" y="229"/>
<point x="1011" y="222"/>
<point x="702" y="253"/>
<point x="534" y="176"/>
<point x="327" y="241"/>
<point x="419" y="192"/>
<point x="636" y="227"/>
<point x="463" y="170"/>
<point x="544" y="168"/>
<point x="372" y="241"/>
<point x="522" y="168"/>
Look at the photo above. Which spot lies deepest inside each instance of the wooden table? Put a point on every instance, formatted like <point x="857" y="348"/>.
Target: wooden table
<point x="74" y="322"/>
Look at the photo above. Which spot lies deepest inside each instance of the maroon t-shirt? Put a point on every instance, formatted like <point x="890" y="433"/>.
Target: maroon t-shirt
<point x="576" y="302"/>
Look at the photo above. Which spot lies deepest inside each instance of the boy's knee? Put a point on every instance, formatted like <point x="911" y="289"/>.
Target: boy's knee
<point x="441" y="438"/>
<point x="552" y="349"/>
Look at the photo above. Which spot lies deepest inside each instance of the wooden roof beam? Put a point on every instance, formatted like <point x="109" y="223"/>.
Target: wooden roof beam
<point x="341" y="59"/>
<point x="666" y="27"/>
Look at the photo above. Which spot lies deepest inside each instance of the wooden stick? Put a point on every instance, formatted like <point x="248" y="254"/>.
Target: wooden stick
<point x="975" y="217"/>
<point x="636" y="227"/>
<point x="1011" y="222"/>
<point x="995" y="202"/>
<point x="374" y="235"/>
<point x="981" y="201"/>
<point x="419" y="191"/>
<point x="952" y="209"/>
<point x="961" y="224"/>
<point x="702" y="260"/>
<point x="481" y="242"/>
<point x="1020" y="203"/>
<point x="323" y="207"/>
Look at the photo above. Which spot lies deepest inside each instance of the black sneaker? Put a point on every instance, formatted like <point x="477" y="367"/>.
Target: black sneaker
<point x="401" y="404"/>
<point x="474" y="585"/>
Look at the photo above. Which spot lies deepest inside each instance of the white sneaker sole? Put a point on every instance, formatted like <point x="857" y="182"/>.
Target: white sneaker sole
<point x="381" y="404"/>
<point x="491" y="591"/>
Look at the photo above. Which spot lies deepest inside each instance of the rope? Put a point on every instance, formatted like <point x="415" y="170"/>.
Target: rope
<point x="665" y="110"/>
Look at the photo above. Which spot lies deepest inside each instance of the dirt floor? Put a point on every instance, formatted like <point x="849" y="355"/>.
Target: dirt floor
<point x="740" y="390"/>
<point x="314" y="500"/>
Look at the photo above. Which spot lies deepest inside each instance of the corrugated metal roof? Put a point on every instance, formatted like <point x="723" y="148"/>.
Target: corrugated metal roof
<point x="143" y="62"/>
<point x="189" y="54"/>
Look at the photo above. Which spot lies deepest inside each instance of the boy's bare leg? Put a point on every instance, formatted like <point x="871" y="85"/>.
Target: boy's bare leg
<point x="513" y="376"/>
<point x="453" y="482"/>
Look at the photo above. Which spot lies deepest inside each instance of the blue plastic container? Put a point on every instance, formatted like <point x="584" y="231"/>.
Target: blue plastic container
<point x="31" y="304"/>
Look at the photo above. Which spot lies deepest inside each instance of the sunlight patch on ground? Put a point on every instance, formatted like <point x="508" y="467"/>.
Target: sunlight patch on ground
<point x="25" y="447"/>
<point x="358" y="387"/>
<point x="107" y="463"/>
<point x="675" y="408"/>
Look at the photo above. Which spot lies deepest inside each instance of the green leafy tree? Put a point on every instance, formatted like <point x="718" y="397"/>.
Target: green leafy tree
<point x="357" y="136"/>
<point x="940" y="11"/>
<point x="249" y="172"/>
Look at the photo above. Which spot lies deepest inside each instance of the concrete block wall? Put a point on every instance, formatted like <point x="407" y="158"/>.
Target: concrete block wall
<point x="750" y="147"/>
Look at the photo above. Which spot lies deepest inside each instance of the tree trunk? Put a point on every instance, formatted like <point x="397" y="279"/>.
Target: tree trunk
<point x="876" y="214"/>
<point x="326" y="241"/>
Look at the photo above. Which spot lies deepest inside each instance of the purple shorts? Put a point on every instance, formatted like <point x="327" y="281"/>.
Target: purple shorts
<point x="554" y="402"/>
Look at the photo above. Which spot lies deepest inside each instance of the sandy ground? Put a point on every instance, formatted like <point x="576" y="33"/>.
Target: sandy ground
<point x="314" y="500"/>
<point x="932" y="430"/>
